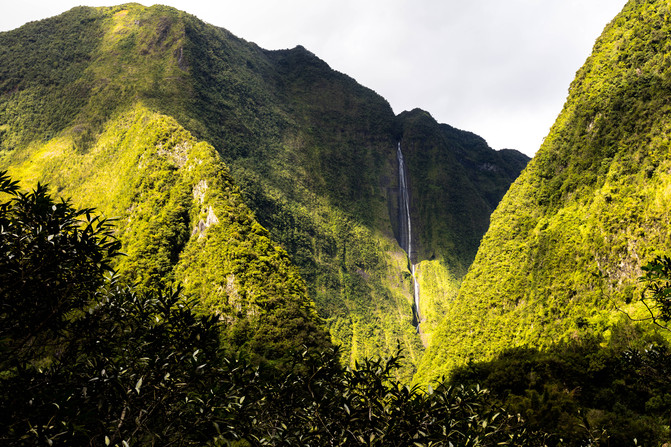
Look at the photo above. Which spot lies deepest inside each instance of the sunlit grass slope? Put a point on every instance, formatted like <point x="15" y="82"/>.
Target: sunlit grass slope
<point x="565" y="246"/>
<point x="182" y="220"/>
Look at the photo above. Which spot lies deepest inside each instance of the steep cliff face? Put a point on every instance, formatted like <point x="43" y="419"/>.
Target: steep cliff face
<point x="312" y="151"/>
<point x="456" y="181"/>
<point x="565" y="245"/>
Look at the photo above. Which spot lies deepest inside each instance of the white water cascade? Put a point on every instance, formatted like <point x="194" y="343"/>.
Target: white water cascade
<point x="405" y="226"/>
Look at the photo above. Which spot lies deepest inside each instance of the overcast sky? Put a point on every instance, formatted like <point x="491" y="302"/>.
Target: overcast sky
<point x="498" y="68"/>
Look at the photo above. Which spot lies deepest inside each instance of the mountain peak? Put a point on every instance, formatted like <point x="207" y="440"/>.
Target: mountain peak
<point x="106" y="104"/>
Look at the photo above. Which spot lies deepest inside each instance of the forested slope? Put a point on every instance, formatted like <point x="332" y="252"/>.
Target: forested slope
<point x="562" y="257"/>
<point x="107" y="105"/>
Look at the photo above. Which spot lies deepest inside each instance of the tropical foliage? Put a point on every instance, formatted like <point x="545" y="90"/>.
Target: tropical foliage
<point x="99" y="363"/>
<point x="586" y="391"/>
<point x="565" y="246"/>
<point x="112" y="106"/>
<point x="656" y="294"/>
<point x="211" y="328"/>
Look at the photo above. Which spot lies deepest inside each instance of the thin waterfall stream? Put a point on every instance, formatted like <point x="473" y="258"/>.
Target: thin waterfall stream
<point x="405" y="227"/>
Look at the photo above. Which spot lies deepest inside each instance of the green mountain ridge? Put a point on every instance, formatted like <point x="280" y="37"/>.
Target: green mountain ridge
<point x="563" y="254"/>
<point x="269" y="188"/>
<point x="108" y="104"/>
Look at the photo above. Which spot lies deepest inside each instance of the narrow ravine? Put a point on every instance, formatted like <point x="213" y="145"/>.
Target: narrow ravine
<point x="405" y="228"/>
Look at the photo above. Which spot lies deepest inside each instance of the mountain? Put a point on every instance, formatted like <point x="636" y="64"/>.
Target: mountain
<point x="563" y="254"/>
<point x="262" y="181"/>
<point x="456" y="181"/>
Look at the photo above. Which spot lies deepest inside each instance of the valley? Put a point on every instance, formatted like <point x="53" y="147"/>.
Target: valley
<point x="293" y="253"/>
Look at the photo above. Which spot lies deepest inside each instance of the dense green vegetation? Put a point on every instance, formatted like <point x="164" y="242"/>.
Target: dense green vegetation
<point x="566" y="244"/>
<point x="462" y="180"/>
<point x="113" y="107"/>
<point x="656" y="294"/>
<point x="257" y="202"/>
<point x="184" y="220"/>
<point x="98" y="363"/>
<point x="587" y="391"/>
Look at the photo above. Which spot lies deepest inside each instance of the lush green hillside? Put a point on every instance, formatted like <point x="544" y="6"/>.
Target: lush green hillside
<point x="109" y="104"/>
<point x="89" y="360"/>
<point x="183" y="221"/>
<point x="456" y="181"/>
<point x="567" y="242"/>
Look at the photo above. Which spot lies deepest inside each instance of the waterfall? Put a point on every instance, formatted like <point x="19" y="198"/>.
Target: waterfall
<point x="405" y="227"/>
